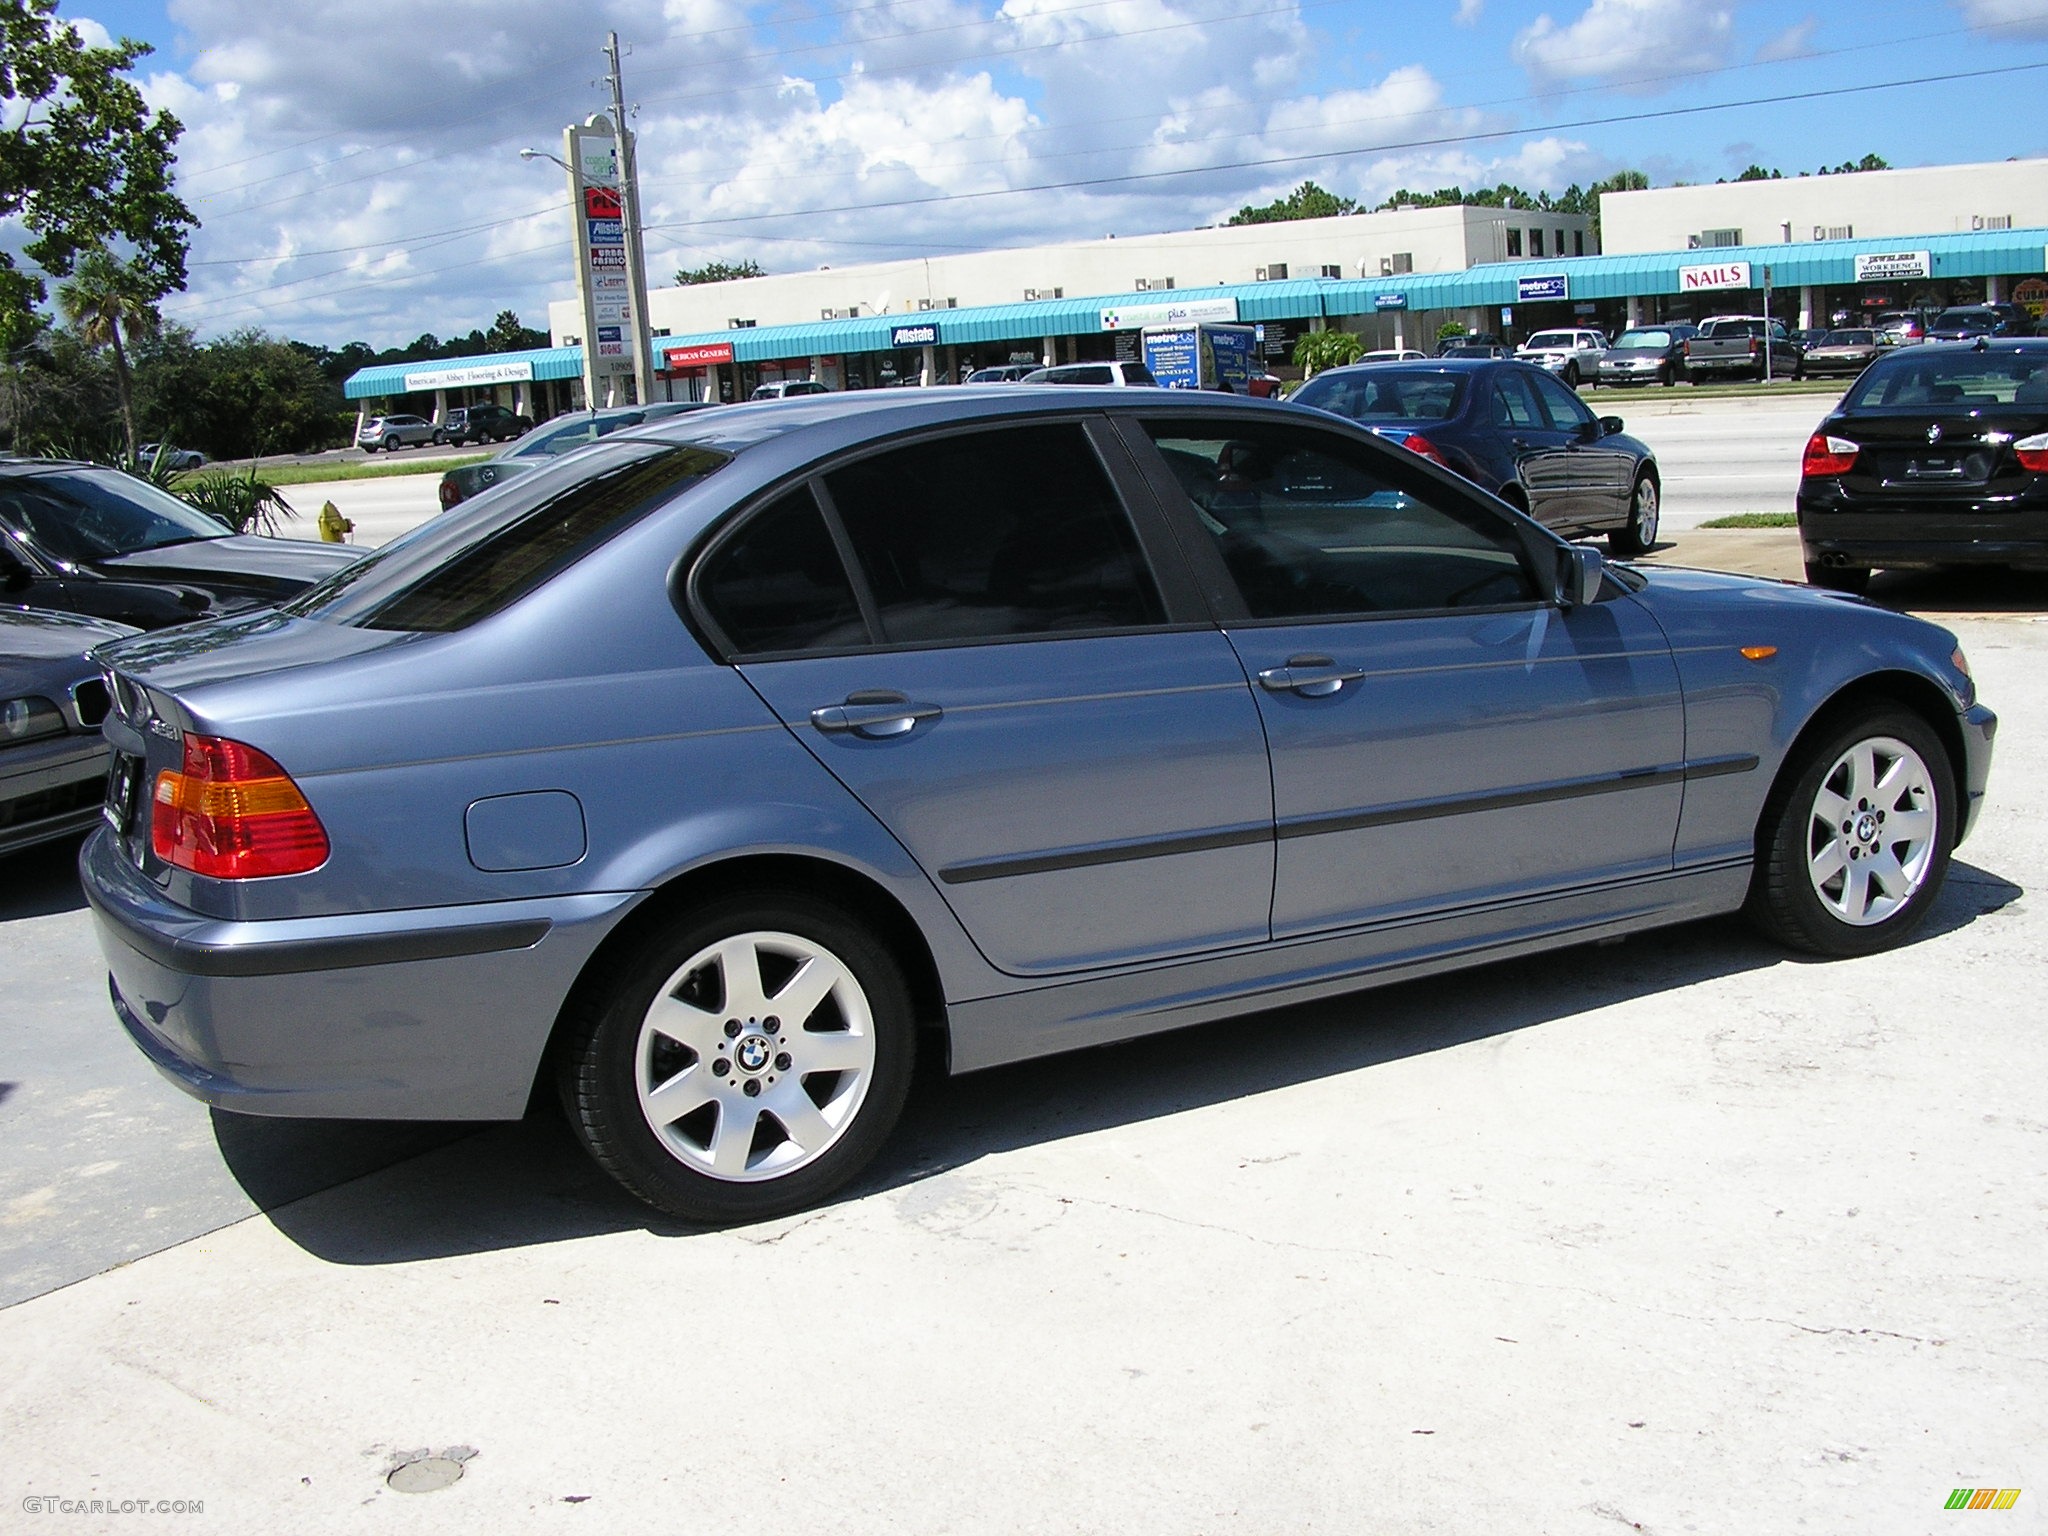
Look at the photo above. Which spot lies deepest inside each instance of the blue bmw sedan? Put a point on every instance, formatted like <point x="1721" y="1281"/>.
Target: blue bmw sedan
<point x="700" y="773"/>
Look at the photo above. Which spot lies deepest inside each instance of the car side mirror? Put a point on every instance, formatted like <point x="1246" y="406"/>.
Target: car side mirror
<point x="1609" y="425"/>
<point x="1580" y="568"/>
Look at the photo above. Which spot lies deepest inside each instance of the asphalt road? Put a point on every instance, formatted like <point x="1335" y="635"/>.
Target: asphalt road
<point x="1717" y="456"/>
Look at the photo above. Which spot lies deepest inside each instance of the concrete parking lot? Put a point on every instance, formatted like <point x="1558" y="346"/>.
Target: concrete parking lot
<point x="1676" y="1234"/>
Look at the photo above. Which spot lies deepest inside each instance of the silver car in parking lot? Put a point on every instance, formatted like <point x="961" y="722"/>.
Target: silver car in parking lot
<point x="706" y="773"/>
<point x="393" y="432"/>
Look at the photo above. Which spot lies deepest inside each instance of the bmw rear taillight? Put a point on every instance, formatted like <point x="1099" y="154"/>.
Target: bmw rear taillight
<point x="1827" y="455"/>
<point x="2033" y="452"/>
<point x="1415" y="442"/>
<point x="232" y="813"/>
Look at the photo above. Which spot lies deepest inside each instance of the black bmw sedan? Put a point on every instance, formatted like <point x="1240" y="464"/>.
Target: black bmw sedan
<point x="82" y="538"/>
<point x="1514" y="429"/>
<point x="1938" y="455"/>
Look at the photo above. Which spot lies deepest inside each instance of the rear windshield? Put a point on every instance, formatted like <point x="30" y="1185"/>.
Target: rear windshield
<point x="1380" y="393"/>
<point x="1952" y="378"/>
<point x="92" y="514"/>
<point x="466" y="565"/>
<point x="1965" y="319"/>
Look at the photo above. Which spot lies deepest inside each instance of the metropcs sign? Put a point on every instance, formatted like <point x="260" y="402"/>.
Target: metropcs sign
<point x="1725" y="274"/>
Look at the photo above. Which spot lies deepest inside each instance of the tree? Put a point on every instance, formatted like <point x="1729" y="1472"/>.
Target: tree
<point x="508" y="335"/>
<point x="84" y="164"/>
<point x="1317" y="350"/>
<point x="1307" y="201"/>
<point x="718" y="272"/>
<point x="104" y="298"/>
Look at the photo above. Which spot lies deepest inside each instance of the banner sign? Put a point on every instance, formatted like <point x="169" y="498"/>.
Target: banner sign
<point x="1187" y="312"/>
<point x="473" y="377"/>
<point x="1889" y="266"/>
<point x="698" y="357"/>
<point x="914" y="336"/>
<point x="1726" y="274"/>
<point x="1542" y="290"/>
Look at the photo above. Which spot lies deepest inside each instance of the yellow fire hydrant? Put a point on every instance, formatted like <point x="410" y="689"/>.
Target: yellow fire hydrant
<point x="334" y="528"/>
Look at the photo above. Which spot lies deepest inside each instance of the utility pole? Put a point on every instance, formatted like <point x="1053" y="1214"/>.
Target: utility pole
<point x="629" y="205"/>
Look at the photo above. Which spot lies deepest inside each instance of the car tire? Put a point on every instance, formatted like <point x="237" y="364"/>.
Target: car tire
<point x="1638" y="536"/>
<point x="703" y="1015"/>
<point x="1571" y="375"/>
<point x="1854" y="842"/>
<point x="1838" y="578"/>
<point x="392" y="444"/>
<point x="1667" y="375"/>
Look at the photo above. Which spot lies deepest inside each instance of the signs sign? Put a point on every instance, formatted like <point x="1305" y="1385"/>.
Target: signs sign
<point x="475" y="376"/>
<point x="1889" y="266"/>
<point x="1722" y="274"/>
<point x="698" y="357"/>
<point x="1187" y="312"/>
<point x="1543" y="290"/>
<point x="914" y="336"/>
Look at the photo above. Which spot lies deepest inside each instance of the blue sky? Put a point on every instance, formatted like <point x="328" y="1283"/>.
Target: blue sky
<point x="357" y="173"/>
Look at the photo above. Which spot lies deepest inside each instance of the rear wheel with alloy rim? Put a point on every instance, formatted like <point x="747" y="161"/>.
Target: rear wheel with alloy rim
<point x="745" y="1064"/>
<point x="1639" y="535"/>
<point x="1855" y="845"/>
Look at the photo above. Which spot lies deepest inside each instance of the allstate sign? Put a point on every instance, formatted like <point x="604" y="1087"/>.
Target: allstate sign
<point x="914" y="336"/>
<point x="1542" y="290"/>
<point x="1725" y="274"/>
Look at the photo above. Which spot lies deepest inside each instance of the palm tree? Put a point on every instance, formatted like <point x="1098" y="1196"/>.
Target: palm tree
<point x="104" y="298"/>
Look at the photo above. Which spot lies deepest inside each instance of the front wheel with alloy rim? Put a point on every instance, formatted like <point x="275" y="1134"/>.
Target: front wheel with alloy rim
<point x="744" y="1064"/>
<point x="1639" y="535"/>
<point x="1854" y="844"/>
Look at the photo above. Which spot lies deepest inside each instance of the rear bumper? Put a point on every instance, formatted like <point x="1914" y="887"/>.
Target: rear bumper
<point x="2006" y="533"/>
<point x="427" y="1014"/>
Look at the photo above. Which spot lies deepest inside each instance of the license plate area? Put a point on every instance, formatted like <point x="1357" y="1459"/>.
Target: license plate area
<point x="124" y="790"/>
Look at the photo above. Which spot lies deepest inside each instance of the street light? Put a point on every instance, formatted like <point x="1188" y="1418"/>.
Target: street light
<point x="541" y="154"/>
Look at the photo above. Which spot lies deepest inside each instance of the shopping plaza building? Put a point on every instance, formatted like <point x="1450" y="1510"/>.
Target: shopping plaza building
<point x="1817" y="250"/>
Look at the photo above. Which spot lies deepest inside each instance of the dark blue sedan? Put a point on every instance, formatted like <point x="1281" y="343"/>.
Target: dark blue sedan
<point x="1514" y="429"/>
<point x="701" y="773"/>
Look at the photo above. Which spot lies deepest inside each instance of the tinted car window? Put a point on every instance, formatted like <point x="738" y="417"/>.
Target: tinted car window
<point x="1311" y="526"/>
<point x="455" y="570"/>
<point x="1138" y="373"/>
<point x="1950" y="378"/>
<point x="1085" y="373"/>
<point x="778" y="584"/>
<point x="1385" y="394"/>
<point x="1566" y="409"/>
<point x="1513" y="405"/>
<point x="991" y="534"/>
<point x="90" y="514"/>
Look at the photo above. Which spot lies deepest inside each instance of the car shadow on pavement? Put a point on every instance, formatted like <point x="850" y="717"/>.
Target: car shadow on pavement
<point x="41" y="882"/>
<point x="1961" y="591"/>
<point x="516" y="1185"/>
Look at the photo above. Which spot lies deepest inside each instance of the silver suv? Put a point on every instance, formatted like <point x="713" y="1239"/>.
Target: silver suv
<point x="389" y="432"/>
<point x="1571" y="355"/>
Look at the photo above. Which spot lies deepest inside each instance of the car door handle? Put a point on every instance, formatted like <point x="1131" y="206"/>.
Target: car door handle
<point x="1312" y="677"/>
<point x="874" y="715"/>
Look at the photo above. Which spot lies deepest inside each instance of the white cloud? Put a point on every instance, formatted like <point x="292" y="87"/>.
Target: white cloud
<point x="2007" y="18"/>
<point x="1794" y="42"/>
<point x="1468" y="12"/>
<point x="1631" y="43"/>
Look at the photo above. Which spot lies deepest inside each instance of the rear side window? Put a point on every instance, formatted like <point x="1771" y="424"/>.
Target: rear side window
<point x="993" y="534"/>
<point x="778" y="583"/>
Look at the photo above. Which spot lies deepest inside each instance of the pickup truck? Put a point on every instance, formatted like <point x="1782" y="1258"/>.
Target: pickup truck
<point x="1732" y="346"/>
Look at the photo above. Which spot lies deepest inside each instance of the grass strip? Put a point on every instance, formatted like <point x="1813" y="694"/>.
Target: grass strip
<point x="1754" y="520"/>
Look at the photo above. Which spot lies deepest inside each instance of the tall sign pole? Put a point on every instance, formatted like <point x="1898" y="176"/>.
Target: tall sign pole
<point x="603" y="275"/>
<point x="636" y="259"/>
